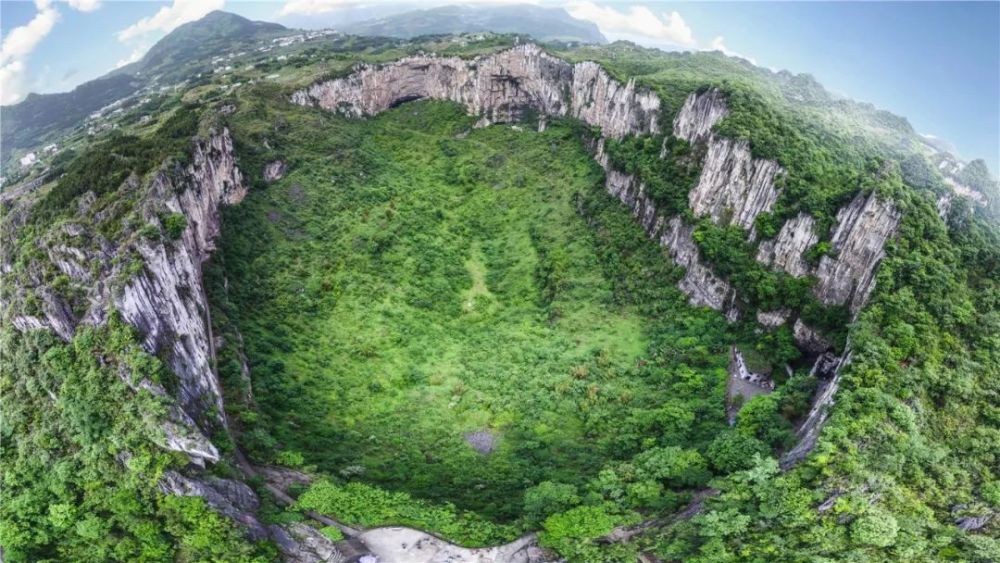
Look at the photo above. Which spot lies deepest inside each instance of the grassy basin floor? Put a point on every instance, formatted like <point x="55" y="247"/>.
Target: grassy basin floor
<point x="414" y="280"/>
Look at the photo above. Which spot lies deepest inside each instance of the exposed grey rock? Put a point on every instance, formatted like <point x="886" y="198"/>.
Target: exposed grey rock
<point x="166" y="302"/>
<point x="773" y="319"/>
<point x="181" y="434"/>
<point x="809" y="339"/>
<point x="944" y="205"/>
<point x="734" y="188"/>
<point x="499" y="87"/>
<point x="786" y="251"/>
<point x="231" y="498"/>
<point x="808" y="432"/>
<point x="483" y="441"/>
<point x="300" y="543"/>
<point x="964" y="191"/>
<point x="274" y="170"/>
<point x="69" y="261"/>
<point x="863" y="227"/>
<point x="699" y="114"/>
<point x="738" y="369"/>
<point x="972" y="523"/>
<point x="702" y="287"/>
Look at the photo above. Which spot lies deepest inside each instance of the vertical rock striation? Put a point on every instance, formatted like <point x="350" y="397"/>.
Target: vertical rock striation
<point x="166" y="302"/>
<point x="500" y="87"/>
<point x="787" y="250"/>
<point x="734" y="187"/>
<point x="699" y="114"/>
<point x="863" y="228"/>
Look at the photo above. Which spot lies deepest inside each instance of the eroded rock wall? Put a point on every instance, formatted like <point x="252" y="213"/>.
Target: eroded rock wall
<point x="734" y="187"/>
<point x="154" y="283"/>
<point x="166" y="302"/>
<point x="863" y="227"/>
<point x="787" y="250"/>
<point x="499" y="86"/>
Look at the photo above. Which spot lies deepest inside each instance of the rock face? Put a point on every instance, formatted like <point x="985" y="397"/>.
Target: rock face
<point x="300" y="543"/>
<point x="274" y="171"/>
<point x="738" y="369"/>
<point x="163" y="298"/>
<point x="500" y="87"/>
<point x="231" y="498"/>
<point x="808" y="431"/>
<point x="699" y="114"/>
<point x="734" y="188"/>
<point x="863" y="227"/>
<point x="166" y="302"/>
<point x="702" y="287"/>
<point x="787" y="250"/>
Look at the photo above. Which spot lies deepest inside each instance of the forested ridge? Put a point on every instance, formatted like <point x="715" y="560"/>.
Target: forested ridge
<point x="458" y="329"/>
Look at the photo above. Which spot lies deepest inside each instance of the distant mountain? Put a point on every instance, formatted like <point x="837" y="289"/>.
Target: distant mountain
<point x="543" y="24"/>
<point x="199" y="40"/>
<point x="183" y="52"/>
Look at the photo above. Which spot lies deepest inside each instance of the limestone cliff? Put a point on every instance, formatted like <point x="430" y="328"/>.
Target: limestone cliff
<point x="153" y="282"/>
<point x="734" y="188"/>
<point x="500" y="87"/>
<point x="863" y="228"/>
<point x="787" y="250"/>
<point x="166" y="302"/>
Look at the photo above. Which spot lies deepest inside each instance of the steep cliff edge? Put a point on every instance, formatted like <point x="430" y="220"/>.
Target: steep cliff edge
<point x="500" y="87"/>
<point x="733" y="188"/>
<point x="152" y="280"/>
<point x="166" y="302"/>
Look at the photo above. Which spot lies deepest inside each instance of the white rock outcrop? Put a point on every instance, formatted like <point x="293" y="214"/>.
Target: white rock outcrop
<point x="734" y="187"/>
<point x="787" y="250"/>
<point x="699" y="114"/>
<point x="702" y="287"/>
<point x="863" y="228"/>
<point x="166" y="302"/>
<point x="500" y="87"/>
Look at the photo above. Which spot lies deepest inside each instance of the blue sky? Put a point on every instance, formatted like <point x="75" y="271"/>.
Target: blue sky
<point x="937" y="64"/>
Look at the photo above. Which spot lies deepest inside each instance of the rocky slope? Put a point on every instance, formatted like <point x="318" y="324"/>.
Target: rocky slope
<point x="154" y="282"/>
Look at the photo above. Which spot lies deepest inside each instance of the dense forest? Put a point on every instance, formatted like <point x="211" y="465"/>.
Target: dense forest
<point x="459" y="330"/>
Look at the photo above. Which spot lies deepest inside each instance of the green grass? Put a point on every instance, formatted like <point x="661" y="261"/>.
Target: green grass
<point x="411" y="280"/>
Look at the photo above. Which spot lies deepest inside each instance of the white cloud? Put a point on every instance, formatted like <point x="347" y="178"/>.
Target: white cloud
<point x="17" y="46"/>
<point x="635" y="21"/>
<point x="311" y="7"/>
<point x="134" y="56"/>
<point x="85" y="5"/>
<point x="170" y="17"/>
<point x="718" y="44"/>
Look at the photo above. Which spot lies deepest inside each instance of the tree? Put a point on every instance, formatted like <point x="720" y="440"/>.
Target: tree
<point x="877" y="527"/>
<point x="547" y="498"/>
<point x="734" y="451"/>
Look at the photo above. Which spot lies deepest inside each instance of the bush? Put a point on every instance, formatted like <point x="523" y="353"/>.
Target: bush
<point x="174" y="225"/>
